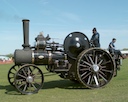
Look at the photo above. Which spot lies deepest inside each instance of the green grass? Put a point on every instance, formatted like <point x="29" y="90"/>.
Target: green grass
<point x="57" y="89"/>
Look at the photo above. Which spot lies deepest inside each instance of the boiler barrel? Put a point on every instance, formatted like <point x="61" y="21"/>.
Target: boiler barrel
<point x="46" y="58"/>
<point x="37" y="57"/>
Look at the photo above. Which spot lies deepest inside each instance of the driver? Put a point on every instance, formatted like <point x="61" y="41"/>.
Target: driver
<point x="95" y="40"/>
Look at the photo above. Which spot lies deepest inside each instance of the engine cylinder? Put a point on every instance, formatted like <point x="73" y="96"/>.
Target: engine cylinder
<point x="40" y="45"/>
<point x="40" y="42"/>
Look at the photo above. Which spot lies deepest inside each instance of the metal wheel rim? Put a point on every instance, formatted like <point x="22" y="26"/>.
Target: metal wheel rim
<point x="11" y="74"/>
<point x="95" y="68"/>
<point x="29" y="79"/>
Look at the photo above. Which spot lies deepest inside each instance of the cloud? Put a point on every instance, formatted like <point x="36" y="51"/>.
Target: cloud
<point x="71" y="16"/>
<point x="44" y="2"/>
<point x="8" y="4"/>
<point x="67" y="18"/>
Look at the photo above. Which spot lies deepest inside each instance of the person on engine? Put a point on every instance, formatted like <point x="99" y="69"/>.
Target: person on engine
<point x="112" y="49"/>
<point x="95" y="39"/>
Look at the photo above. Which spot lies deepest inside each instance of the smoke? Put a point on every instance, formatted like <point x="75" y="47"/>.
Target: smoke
<point x="4" y="16"/>
<point x="8" y="12"/>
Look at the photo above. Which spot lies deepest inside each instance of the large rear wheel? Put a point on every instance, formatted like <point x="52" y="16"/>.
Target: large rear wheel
<point x="95" y="68"/>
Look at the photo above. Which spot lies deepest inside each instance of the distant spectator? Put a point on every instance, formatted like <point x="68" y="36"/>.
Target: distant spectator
<point x="4" y="60"/>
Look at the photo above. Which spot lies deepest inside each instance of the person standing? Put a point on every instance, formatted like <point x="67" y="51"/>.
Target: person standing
<point x="95" y="39"/>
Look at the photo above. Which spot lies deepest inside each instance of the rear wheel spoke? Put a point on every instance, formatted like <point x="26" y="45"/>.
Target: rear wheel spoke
<point x="105" y="70"/>
<point x="86" y="63"/>
<point x="81" y="65"/>
<point x="85" y="75"/>
<point x="91" y="60"/>
<point x="93" y="54"/>
<point x="89" y="79"/>
<point x="86" y="58"/>
<point x="96" y="58"/>
<point x="100" y="62"/>
<point x="103" y="78"/>
<point x="102" y="73"/>
<point x="96" y="80"/>
<point x="106" y="63"/>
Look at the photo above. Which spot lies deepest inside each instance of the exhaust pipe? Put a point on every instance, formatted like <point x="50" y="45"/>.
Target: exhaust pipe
<point x="24" y="55"/>
<point x="26" y="34"/>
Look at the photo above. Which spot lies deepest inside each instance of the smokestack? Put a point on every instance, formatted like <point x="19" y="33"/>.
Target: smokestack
<point x="26" y="34"/>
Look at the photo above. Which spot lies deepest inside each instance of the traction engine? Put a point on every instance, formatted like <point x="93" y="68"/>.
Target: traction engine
<point x="75" y="60"/>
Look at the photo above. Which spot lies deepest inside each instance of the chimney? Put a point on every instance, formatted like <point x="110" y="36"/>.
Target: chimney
<point x="26" y="34"/>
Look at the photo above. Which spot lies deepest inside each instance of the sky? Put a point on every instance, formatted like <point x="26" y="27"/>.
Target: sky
<point x="58" y="18"/>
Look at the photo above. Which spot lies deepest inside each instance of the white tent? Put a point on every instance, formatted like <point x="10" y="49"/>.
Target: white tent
<point x="124" y="52"/>
<point x="4" y="58"/>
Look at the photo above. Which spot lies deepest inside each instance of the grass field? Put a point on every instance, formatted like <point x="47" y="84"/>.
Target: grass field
<point x="59" y="90"/>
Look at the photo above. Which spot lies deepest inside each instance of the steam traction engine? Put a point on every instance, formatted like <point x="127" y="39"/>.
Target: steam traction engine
<point x="77" y="61"/>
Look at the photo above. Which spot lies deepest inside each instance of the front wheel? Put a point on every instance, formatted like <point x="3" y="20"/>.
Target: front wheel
<point x="11" y="74"/>
<point x="29" y="79"/>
